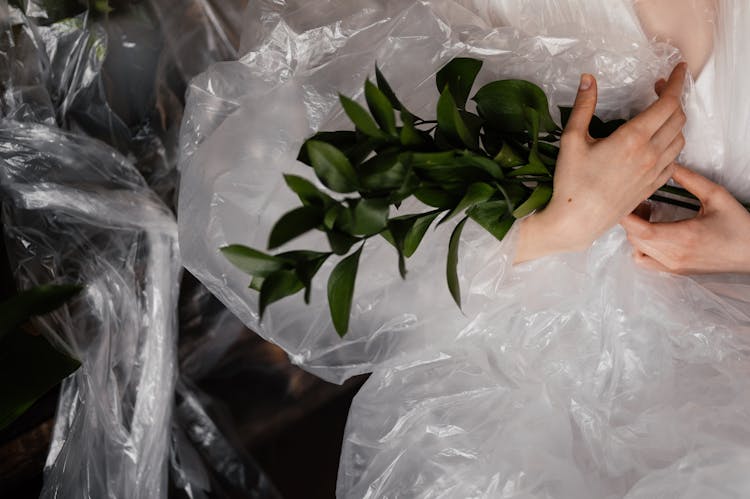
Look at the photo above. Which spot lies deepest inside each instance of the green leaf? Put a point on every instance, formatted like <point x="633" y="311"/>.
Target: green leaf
<point x="340" y="242"/>
<point x="452" y="123"/>
<point x="410" y="136"/>
<point x="452" y="264"/>
<point x="486" y="164"/>
<point x="493" y="216"/>
<point x="532" y="125"/>
<point x="36" y="301"/>
<point x="502" y="104"/>
<point x="598" y="129"/>
<point x="448" y="170"/>
<point x="341" y="291"/>
<point x="278" y="285"/>
<point x="535" y="166"/>
<point x="509" y="157"/>
<point x="256" y="283"/>
<point x="251" y="261"/>
<point x="538" y="199"/>
<point x="385" y="87"/>
<point x="355" y="146"/>
<point x="458" y="75"/>
<point x="380" y="108"/>
<point x="307" y="264"/>
<point x="565" y="112"/>
<point x="408" y="231"/>
<point x="361" y="118"/>
<point x="29" y="365"/>
<point x="307" y="192"/>
<point x="294" y="224"/>
<point x="435" y="197"/>
<point x="476" y="193"/>
<point x="331" y="216"/>
<point x="332" y="167"/>
<point x="369" y="216"/>
<point x="383" y="172"/>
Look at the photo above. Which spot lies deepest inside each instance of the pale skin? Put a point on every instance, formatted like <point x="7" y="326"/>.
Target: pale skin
<point x="717" y="239"/>
<point x="598" y="182"/>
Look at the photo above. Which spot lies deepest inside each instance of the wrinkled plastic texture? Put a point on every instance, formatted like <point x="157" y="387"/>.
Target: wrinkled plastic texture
<point x="572" y="376"/>
<point x="83" y="210"/>
<point x="248" y="119"/>
<point x="77" y="211"/>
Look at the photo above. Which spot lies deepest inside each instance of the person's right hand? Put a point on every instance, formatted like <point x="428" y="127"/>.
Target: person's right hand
<point x="598" y="182"/>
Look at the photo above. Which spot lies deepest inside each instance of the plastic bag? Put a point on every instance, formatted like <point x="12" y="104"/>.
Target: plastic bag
<point x="117" y="78"/>
<point x="572" y="376"/>
<point x="247" y="119"/>
<point x="77" y="211"/>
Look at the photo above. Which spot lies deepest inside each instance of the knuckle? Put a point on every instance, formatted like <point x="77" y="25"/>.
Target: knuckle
<point x="649" y="157"/>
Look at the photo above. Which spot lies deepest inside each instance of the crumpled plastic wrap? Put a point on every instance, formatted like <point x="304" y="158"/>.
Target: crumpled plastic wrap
<point x="90" y="110"/>
<point x="248" y="119"/>
<point x="76" y="211"/>
<point x="572" y="376"/>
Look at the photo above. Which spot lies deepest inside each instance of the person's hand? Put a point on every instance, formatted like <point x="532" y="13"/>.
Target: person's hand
<point x="598" y="182"/>
<point x="716" y="240"/>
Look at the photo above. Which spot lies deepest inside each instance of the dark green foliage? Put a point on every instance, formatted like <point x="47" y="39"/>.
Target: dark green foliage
<point x="492" y="167"/>
<point x="29" y="365"/>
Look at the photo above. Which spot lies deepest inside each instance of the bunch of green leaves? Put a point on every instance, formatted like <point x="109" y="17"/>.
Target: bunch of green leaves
<point x="29" y="365"/>
<point x="491" y="162"/>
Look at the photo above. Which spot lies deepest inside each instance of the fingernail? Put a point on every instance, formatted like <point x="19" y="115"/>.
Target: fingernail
<point x="586" y="81"/>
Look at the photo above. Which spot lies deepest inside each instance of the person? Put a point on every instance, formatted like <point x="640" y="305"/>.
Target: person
<point x="717" y="240"/>
<point x="573" y="373"/>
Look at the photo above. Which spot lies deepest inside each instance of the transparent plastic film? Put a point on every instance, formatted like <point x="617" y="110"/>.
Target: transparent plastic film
<point x="247" y="120"/>
<point x="76" y="211"/>
<point x="577" y="375"/>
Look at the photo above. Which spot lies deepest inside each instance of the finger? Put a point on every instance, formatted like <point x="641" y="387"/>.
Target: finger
<point x="676" y="81"/>
<point x="659" y="86"/>
<point x="652" y="119"/>
<point x="664" y="176"/>
<point x="669" y="130"/>
<point x="647" y="262"/>
<point x="697" y="184"/>
<point x="584" y="106"/>
<point x="636" y="226"/>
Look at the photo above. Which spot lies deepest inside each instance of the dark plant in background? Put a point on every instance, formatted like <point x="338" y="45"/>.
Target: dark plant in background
<point x="493" y="166"/>
<point x="29" y="365"/>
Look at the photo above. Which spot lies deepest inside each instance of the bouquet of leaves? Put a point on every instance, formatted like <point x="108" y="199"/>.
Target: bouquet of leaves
<point x="493" y="165"/>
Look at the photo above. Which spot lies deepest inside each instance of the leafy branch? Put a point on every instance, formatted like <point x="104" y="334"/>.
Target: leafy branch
<point x="493" y="165"/>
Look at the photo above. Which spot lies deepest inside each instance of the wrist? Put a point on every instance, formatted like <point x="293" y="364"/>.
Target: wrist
<point x="542" y="234"/>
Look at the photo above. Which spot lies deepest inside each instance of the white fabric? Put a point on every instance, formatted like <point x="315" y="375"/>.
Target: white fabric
<point x="573" y="376"/>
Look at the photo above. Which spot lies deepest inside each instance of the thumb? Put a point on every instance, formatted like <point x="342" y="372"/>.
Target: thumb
<point x="583" y="109"/>
<point x="704" y="189"/>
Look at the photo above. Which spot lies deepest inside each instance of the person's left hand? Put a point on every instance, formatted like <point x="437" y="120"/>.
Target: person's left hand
<point x="716" y="240"/>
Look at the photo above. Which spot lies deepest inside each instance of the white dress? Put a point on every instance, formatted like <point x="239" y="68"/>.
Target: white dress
<point x="572" y="376"/>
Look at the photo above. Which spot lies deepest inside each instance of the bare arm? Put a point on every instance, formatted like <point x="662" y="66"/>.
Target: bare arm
<point x="686" y="24"/>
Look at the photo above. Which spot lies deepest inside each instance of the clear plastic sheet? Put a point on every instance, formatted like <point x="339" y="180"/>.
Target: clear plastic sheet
<point x="572" y="376"/>
<point x="247" y="120"/>
<point x="77" y="211"/>
<point x="206" y="458"/>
